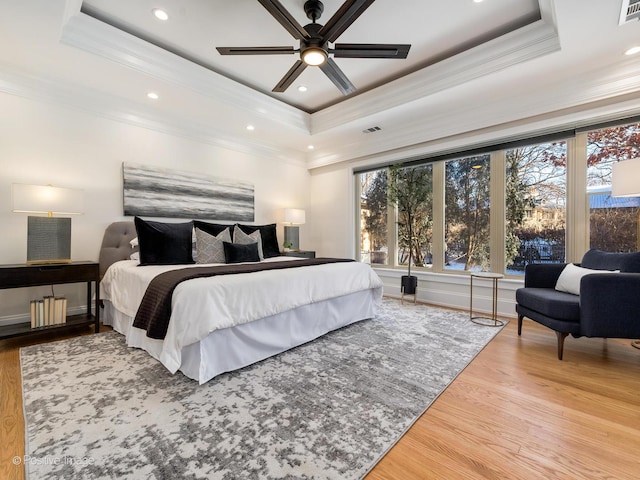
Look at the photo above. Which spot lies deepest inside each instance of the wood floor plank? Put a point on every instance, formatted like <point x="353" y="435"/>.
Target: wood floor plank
<point x="515" y="412"/>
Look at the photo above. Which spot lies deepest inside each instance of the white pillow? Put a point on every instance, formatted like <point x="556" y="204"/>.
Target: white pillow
<point x="134" y="242"/>
<point x="569" y="279"/>
<point x="135" y="256"/>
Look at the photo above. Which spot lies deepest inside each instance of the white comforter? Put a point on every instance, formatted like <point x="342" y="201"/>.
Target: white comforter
<point x="201" y="306"/>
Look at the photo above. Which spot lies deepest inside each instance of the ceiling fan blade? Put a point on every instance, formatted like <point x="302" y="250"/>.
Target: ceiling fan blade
<point x="277" y="11"/>
<point x="337" y="76"/>
<point x="370" y="50"/>
<point x="289" y="77"/>
<point x="343" y="18"/>
<point x="255" y="50"/>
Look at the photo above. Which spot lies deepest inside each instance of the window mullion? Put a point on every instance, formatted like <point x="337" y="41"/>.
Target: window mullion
<point x="392" y="231"/>
<point x="497" y="227"/>
<point x="577" y="223"/>
<point x="438" y="243"/>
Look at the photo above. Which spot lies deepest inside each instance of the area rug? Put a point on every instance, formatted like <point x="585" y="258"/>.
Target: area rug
<point x="329" y="409"/>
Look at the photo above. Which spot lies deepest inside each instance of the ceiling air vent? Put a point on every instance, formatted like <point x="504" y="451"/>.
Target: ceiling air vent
<point x="630" y="11"/>
<point x="376" y="129"/>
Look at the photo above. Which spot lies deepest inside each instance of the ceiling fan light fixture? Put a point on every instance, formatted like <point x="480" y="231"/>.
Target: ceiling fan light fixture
<point x="314" y="56"/>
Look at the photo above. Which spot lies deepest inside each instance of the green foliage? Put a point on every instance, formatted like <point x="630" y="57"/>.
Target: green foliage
<point x="410" y="189"/>
<point x="467" y="210"/>
<point x="375" y="203"/>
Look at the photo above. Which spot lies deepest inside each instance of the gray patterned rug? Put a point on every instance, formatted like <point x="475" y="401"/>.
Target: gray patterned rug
<point x="330" y="409"/>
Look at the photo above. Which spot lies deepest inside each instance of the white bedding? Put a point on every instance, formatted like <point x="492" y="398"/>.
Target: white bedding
<point x="203" y="306"/>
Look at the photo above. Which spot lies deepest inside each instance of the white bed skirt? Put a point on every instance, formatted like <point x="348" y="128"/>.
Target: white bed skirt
<point x="236" y="347"/>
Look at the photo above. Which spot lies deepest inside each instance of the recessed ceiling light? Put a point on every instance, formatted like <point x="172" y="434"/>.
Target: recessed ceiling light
<point x="633" y="50"/>
<point x="250" y="127"/>
<point x="302" y="88"/>
<point x="477" y="1"/>
<point x="311" y="147"/>
<point x="153" y="95"/>
<point x="160" y="14"/>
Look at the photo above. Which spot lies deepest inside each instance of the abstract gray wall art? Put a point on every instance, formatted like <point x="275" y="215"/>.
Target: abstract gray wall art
<point x="163" y="192"/>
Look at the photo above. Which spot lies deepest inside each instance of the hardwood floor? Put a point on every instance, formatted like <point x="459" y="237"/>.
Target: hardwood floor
<point x="516" y="412"/>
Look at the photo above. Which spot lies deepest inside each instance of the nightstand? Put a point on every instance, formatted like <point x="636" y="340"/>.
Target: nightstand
<point x="18" y="276"/>
<point x="300" y="253"/>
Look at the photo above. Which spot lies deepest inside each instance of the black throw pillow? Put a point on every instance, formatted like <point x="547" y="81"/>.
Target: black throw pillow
<point x="164" y="243"/>
<point x="214" y="229"/>
<point x="237" y="253"/>
<point x="270" y="246"/>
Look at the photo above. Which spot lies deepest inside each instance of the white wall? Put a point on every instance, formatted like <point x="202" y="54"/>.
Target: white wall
<point x="42" y="143"/>
<point x="332" y="211"/>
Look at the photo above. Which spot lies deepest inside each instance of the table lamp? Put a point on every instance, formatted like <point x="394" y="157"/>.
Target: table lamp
<point x="48" y="238"/>
<point x="625" y="180"/>
<point x="292" y="218"/>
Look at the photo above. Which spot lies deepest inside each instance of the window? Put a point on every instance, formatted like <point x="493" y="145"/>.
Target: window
<point x="613" y="222"/>
<point x="503" y="210"/>
<point x="421" y="222"/>
<point x="467" y="209"/>
<point x="536" y="178"/>
<point x="373" y="217"/>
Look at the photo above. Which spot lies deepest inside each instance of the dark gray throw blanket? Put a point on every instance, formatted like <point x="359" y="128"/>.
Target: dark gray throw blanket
<point x="155" y="309"/>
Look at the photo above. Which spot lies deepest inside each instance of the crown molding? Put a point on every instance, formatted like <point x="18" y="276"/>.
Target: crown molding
<point x="59" y="92"/>
<point x="527" y="43"/>
<point x="602" y="94"/>
<point x="96" y="37"/>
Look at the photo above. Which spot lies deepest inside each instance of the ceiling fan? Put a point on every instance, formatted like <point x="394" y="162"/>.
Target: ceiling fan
<point x="315" y="39"/>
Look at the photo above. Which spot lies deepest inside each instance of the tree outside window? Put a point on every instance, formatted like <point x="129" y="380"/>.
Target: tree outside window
<point x="467" y="203"/>
<point x="421" y="219"/>
<point x="373" y="217"/>
<point x="535" y="205"/>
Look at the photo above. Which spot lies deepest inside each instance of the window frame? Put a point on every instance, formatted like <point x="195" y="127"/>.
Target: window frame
<point x="577" y="206"/>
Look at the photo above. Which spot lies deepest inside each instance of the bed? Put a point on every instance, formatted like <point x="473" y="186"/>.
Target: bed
<point x="225" y="322"/>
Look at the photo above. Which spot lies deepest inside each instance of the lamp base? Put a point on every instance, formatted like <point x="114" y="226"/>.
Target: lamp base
<point x="292" y="236"/>
<point x="48" y="240"/>
<point x="49" y="262"/>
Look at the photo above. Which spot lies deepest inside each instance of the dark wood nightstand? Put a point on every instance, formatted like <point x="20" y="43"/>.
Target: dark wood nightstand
<point x="301" y="253"/>
<point x="22" y="275"/>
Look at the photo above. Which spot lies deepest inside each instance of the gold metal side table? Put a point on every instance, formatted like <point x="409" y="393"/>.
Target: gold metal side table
<point x="492" y="321"/>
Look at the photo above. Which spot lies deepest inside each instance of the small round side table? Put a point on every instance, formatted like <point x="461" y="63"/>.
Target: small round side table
<point x="493" y="320"/>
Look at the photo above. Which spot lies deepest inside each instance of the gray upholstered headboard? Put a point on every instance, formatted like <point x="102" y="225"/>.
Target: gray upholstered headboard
<point x="115" y="244"/>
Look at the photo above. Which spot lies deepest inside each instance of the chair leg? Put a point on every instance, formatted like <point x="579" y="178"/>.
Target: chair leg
<point x="561" y="336"/>
<point x="520" y="317"/>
